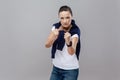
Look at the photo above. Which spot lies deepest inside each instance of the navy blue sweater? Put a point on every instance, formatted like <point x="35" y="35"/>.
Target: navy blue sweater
<point x="60" y="41"/>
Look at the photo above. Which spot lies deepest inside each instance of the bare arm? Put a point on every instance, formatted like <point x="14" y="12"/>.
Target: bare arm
<point x="74" y="40"/>
<point x="51" y="38"/>
<point x="72" y="49"/>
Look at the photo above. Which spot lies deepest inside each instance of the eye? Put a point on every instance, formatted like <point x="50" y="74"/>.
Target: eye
<point x="67" y="17"/>
<point x="61" y="18"/>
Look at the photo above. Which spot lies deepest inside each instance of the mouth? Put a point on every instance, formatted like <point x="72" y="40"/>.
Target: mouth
<point x="65" y="25"/>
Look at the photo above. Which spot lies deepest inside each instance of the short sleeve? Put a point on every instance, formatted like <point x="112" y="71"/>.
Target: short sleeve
<point x="53" y="28"/>
<point x="75" y="35"/>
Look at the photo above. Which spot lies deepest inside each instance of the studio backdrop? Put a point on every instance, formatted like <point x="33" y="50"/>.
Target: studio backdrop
<point x="25" y="25"/>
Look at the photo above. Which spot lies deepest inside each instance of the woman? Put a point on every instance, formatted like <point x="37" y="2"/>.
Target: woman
<point x="65" y="42"/>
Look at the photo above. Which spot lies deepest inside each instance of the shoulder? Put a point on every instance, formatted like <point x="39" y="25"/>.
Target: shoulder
<point x="57" y="25"/>
<point x="75" y="27"/>
<point x="75" y="31"/>
<point x="75" y="35"/>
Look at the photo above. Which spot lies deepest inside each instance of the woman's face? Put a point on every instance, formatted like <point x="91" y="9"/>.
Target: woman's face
<point x="65" y="19"/>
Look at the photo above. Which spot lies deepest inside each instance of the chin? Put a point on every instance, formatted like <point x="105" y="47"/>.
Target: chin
<point x="65" y="27"/>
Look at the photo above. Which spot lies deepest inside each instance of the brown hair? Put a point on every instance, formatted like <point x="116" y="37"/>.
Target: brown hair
<point x="65" y="8"/>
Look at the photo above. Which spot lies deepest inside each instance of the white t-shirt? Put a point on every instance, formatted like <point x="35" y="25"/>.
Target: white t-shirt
<point x="64" y="60"/>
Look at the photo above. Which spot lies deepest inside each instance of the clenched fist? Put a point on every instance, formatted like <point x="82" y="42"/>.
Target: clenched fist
<point x="55" y="32"/>
<point x="67" y="37"/>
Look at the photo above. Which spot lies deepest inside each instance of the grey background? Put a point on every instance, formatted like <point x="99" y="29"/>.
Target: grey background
<point x="25" y="25"/>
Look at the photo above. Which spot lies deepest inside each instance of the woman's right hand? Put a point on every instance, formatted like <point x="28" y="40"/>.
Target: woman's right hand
<point x="55" y="32"/>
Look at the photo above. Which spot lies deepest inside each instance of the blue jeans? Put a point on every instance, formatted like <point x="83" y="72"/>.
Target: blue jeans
<point x="61" y="74"/>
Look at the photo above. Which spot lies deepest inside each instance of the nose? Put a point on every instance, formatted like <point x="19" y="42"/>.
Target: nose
<point x="65" y="20"/>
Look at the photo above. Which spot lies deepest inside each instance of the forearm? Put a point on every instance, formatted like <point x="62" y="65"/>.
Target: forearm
<point x="51" y="38"/>
<point x="71" y="50"/>
<point x="71" y="46"/>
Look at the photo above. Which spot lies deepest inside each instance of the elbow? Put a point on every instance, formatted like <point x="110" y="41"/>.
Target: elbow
<point x="71" y="52"/>
<point x="47" y="46"/>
